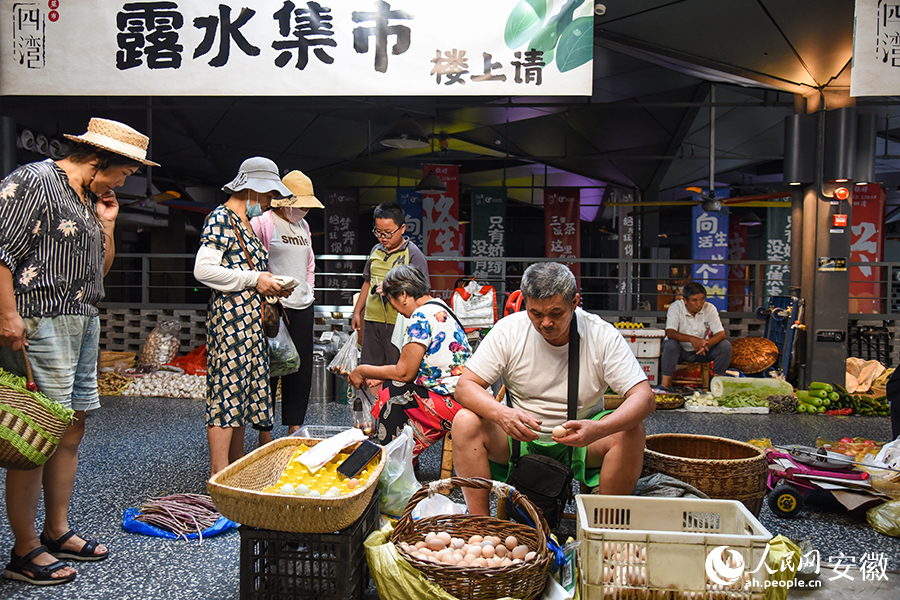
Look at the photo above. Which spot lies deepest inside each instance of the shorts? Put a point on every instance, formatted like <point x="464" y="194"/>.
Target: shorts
<point x="63" y="352"/>
<point x="377" y="348"/>
<point x="589" y="476"/>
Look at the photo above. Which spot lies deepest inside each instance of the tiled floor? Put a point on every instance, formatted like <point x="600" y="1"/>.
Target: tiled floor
<point x="137" y="448"/>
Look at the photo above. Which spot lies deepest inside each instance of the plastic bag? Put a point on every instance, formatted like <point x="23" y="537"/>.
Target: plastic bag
<point x="885" y="518"/>
<point x="162" y="344"/>
<point x="322" y="453"/>
<point x="782" y="560"/>
<point x="398" y="482"/>
<point x="361" y="410"/>
<point x="347" y="357"/>
<point x="283" y="356"/>
<point x="437" y="504"/>
<point x="475" y="305"/>
<point x="132" y="525"/>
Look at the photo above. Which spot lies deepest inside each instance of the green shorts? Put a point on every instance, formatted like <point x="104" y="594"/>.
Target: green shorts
<point x="588" y="476"/>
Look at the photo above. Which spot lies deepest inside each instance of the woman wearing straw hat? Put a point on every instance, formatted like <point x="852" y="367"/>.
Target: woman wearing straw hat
<point x="285" y="234"/>
<point x="234" y="263"/>
<point x="57" y="220"/>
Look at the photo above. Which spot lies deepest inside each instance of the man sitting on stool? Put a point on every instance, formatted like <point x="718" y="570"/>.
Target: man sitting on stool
<point x="694" y="334"/>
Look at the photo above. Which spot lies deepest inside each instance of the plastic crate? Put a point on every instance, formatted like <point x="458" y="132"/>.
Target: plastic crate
<point x="305" y="566"/>
<point x="657" y="548"/>
<point x="870" y="343"/>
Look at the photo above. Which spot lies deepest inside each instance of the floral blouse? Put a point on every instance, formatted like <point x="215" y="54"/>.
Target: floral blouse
<point x="446" y="347"/>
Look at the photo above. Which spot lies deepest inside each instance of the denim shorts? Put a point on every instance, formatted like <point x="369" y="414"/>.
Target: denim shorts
<point x="63" y="352"/>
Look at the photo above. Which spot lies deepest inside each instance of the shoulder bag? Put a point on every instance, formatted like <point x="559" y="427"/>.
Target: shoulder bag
<point x="272" y="310"/>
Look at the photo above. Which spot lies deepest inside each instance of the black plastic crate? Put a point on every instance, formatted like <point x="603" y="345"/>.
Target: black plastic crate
<point x="870" y="343"/>
<point x="276" y="565"/>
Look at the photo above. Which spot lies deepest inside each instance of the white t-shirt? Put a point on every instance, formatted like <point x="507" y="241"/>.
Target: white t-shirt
<point x="703" y="325"/>
<point x="289" y="255"/>
<point x="536" y="373"/>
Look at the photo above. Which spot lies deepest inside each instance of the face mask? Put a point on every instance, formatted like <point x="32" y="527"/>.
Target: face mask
<point x="294" y="215"/>
<point x="253" y="210"/>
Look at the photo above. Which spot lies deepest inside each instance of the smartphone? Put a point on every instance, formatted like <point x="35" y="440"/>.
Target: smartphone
<point x="358" y="459"/>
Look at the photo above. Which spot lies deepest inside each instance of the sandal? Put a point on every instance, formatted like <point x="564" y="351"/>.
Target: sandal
<point x="40" y="574"/>
<point x="86" y="553"/>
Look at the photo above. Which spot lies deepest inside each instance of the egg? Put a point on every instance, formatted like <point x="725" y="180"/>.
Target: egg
<point x="530" y="556"/>
<point x="519" y="552"/>
<point x="511" y="542"/>
<point x="560" y="432"/>
<point x="436" y="543"/>
<point x="420" y="545"/>
<point x="445" y="537"/>
<point x="301" y="489"/>
<point x="470" y="558"/>
<point x="314" y="494"/>
<point x="476" y="539"/>
<point x="286" y="488"/>
<point x="500" y="551"/>
<point x="332" y="492"/>
<point x="457" y="543"/>
<point x="517" y="561"/>
<point x="506" y="562"/>
<point x="481" y="562"/>
<point x="450" y="559"/>
<point x="353" y="483"/>
<point x="429" y="536"/>
<point x="487" y="551"/>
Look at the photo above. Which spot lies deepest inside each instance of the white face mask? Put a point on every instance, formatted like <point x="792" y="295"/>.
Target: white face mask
<point x="294" y="215"/>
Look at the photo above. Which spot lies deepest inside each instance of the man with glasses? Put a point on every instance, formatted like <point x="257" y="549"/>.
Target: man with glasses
<point x="379" y="316"/>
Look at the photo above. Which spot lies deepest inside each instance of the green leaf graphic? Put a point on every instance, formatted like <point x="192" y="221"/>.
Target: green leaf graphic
<point x="523" y="20"/>
<point x="576" y="44"/>
<point x="545" y="40"/>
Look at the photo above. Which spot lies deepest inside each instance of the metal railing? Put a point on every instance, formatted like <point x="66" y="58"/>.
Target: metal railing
<point x="609" y="286"/>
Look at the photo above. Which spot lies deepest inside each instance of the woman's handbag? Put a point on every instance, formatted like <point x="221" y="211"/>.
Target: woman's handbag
<point x="272" y="310"/>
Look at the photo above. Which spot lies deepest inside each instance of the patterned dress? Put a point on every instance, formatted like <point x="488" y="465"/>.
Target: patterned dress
<point x="237" y="360"/>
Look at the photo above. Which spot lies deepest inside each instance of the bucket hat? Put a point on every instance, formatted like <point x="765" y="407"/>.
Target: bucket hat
<point x="302" y="192"/>
<point x="115" y="137"/>
<point x="258" y="174"/>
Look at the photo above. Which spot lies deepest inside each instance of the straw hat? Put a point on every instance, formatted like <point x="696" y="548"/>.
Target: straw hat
<point x="258" y="174"/>
<point x="302" y="192"/>
<point x="116" y="137"/>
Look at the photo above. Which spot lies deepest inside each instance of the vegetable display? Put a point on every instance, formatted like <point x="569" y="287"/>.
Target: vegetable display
<point x="760" y="386"/>
<point x="783" y="404"/>
<point x="180" y="513"/>
<point x="835" y="400"/>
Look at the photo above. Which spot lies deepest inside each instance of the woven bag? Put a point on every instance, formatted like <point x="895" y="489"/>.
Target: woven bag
<point x="31" y="424"/>
<point x="753" y="354"/>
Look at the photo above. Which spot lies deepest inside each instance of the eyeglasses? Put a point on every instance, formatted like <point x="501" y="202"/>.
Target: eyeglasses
<point x="384" y="234"/>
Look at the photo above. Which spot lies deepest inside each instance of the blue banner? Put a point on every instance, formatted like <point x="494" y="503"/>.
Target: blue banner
<point x="709" y="240"/>
<point x="411" y="202"/>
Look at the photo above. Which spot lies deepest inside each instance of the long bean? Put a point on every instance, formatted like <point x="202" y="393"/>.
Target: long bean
<point x="180" y="514"/>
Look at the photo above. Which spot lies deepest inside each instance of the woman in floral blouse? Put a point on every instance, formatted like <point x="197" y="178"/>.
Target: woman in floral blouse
<point x="419" y="389"/>
<point x="57" y="220"/>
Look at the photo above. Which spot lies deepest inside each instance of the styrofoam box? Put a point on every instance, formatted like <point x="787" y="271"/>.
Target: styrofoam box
<point x="645" y="343"/>
<point x="654" y="547"/>
<point x="651" y="369"/>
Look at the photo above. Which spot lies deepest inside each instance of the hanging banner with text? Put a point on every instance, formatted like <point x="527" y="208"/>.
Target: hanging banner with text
<point x="411" y="202"/>
<point x="778" y="247"/>
<point x="287" y="48"/>
<point x="488" y="233"/>
<point x="867" y="245"/>
<point x="562" y="225"/>
<point x="738" y="292"/>
<point x="876" y="49"/>
<point x="709" y="241"/>
<point x="341" y="237"/>
<point x="440" y="221"/>
<point x="629" y="234"/>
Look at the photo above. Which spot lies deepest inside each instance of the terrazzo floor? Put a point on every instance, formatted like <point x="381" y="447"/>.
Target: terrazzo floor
<point x="136" y="448"/>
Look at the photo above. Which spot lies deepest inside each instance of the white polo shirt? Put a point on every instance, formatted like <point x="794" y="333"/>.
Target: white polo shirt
<point x="704" y="324"/>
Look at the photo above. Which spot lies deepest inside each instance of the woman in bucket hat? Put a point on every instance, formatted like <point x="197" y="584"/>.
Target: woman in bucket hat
<point x="234" y="263"/>
<point x="285" y="234"/>
<point x="57" y="219"/>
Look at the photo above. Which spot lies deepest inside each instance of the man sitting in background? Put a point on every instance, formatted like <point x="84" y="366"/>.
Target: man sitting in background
<point x="694" y="334"/>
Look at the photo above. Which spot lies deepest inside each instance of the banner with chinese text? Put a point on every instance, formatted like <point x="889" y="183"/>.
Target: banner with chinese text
<point x="709" y="240"/>
<point x="293" y="48"/>
<point x="867" y="245"/>
<point x="629" y="233"/>
<point x="562" y="225"/>
<point x="341" y="237"/>
<point x="876" y="49"/>
<point x="738" y="297"/>
<point x="411" y="202"/>
<point x="440" y="220"/>
<point x="488" y="233"/>
<point x="778" y="247"/>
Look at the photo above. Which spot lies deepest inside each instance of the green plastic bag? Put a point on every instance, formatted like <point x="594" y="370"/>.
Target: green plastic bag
<point x="885" y="518"/>
<point x="393" y="576"/>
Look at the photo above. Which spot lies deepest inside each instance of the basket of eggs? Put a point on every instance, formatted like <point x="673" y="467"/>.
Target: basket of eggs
<point x="476" y="557"/>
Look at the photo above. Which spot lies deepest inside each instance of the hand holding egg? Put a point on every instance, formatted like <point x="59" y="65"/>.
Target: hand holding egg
<point x="560" y="432"/>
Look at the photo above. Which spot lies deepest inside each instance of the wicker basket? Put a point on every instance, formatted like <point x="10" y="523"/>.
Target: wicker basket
<point x="719" y="467"/>
<point x="31" y="424"/>
<point x="753" y="354"/>
<point x="524" y="580"/>
<point x="236" y="492"/>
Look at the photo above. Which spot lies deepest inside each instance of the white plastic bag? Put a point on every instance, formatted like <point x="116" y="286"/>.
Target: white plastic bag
<point x="398" y="482"/>
<point x="347" y="357"/>
<point x="437" y="504"/>
<point x="475" y="305"/>
<point x="283" y="356"/>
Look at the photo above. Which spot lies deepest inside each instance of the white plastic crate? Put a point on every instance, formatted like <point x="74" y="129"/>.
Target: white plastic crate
<point x="644" y="343"/>
<point x="656" y="548"/>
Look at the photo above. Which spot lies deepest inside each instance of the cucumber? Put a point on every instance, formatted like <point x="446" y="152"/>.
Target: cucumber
<point x="801" y="407"/>
<point x="818" y="393"/>
<point x="834" y="396"/>
<point x="818" y="385"/>
<point x="822" y="409"/>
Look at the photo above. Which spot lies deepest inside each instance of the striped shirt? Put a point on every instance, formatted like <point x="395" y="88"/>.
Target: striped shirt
<point x="51" y="242"/>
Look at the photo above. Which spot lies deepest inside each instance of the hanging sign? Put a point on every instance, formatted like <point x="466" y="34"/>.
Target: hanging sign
<point x="293" y="48"/>
<point x="709" y="238"/>
<point x="562" y="225"/>
<point x="341" y="237"/>
<point x="488" y="233"/>
<point x="440" y="219"/>
<point x="411" y="202"/>
<point x="867" y="245"/>
<point x="876" y="49"/>
<point x="778" y="247"/>
<point x="738" y="292"/>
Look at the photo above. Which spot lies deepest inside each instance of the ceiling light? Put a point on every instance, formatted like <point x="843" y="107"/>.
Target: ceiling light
<point x="750" y="219"/>
<point x="431" y="184"/>
<point x="405" y="134"/>
<point x="711" y="205"/>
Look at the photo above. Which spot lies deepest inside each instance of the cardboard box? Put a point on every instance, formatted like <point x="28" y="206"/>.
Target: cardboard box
<point x="651" y="369"/>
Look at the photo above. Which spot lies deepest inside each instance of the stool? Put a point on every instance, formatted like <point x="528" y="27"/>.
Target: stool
<point x="686" y="375"/>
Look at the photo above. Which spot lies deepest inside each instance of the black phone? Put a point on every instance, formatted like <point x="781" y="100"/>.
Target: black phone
<point x="358" y="459"/>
